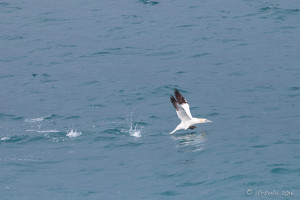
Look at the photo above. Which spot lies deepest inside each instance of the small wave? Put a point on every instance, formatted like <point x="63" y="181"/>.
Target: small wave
<point x="149" y="2"/>
<point x="43" y="131"/>
<point x="73" y="134"/>
<point x="15" y="139"/>
<point x="39" y="119"/>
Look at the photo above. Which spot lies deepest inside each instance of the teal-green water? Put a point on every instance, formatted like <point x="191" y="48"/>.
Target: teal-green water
<point x="85" y="110"/>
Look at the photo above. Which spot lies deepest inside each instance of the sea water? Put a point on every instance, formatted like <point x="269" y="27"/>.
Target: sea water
<point x="85" y="110"/>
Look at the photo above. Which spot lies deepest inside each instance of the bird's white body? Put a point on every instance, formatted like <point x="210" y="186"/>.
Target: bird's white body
<point x="184" y="113"/>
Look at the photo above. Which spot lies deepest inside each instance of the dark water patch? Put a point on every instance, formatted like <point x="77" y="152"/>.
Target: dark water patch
<point x="254" y="183"/>
<point x="149" y="2"/>
<point x="213" y="114"/>
<point x="6" y="76"/>
<point x="7" y="8"/>
<point x="280" y="170"/>
<point x="45" y="75"/>
<point x="36" y="139"/>
<point x="72" y="117"/>
<point x="113" y="49"/>
<point x="292" y="116"/>
<point x="265" y="8"/>
<point x="51" y="162"/>
<point x="277" y="13"/>
<point x="163" y="53"/>
<point x="293" y="10"/>
<point x="17" y="118"/>
<point x="170" y="193"/>
<point x="279" y="142"/>
<point x="4" y="4"/>
<point x="245" y="117"/>
<point x="154" y="117"/>
<point x="191" y="183"/>
<point x="293" y="141"/>
<point x="119" y="118"/>
<point x="100" y="53"/>
<point x="10" y="117"/>
<point x="277" y="165"/>
<point x="166" y="89"/>
<point x="236" y="74"/>
<point x="293" y="95"/>
<point x="242" y="44"/>
<point x="52" y="116"/>
<point x="186" y="26"/>
<point x="112" y="131"/>
<point x="180" y="72"/>
<point x="287" y="27"/>
<point x="246" y="90"/>
<point x="262" y="87"/>
<point x="260" y="146"/>
<point x="235" y="177"/>
<point x="131" y="144"/>
<point x="200" y="55"/>
<point x="114" y="145"/>
<point x="50" y="20"/>
<point x="170" y="175"/>
<point x="97" y="105"/>
<point x="105" y="138"/>
<point x="3" y="116"/>
<point x="18" y="162"/>
<point x="129" y="16"/>
<point x="91" y="83"/>
<point x="140" y="98"/>
<point x="140" y="123"/>
<point x="230" y="40"/>
<point x="48" y="80"/>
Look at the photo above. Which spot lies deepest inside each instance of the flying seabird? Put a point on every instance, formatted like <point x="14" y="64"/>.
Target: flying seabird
<point x="184" y="114"/>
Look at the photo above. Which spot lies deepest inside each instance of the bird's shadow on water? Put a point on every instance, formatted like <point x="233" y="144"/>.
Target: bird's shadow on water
<point x="190" y="142"/>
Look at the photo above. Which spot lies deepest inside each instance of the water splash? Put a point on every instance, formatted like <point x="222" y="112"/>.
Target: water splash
<point x="73" y="134"/>
<point x="134" y="130"/>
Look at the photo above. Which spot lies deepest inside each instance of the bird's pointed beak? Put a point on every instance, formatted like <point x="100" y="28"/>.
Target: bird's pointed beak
<point x="207" y="121"/>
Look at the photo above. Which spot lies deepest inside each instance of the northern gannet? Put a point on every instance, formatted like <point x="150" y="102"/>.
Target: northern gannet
<point x="184" y="114"/>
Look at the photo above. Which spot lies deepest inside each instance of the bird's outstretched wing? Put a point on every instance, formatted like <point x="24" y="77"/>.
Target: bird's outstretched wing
<point x="181" y="112"/>
<point x="183" y="103"/>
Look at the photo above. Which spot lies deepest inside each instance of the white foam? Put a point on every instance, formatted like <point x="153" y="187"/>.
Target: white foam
<point x="73" y="134"/>
<point x="134" y="132"/>
<point x="39" y="119"/>
<point x="43" y="131"/>
<point x="4" y="138"/>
